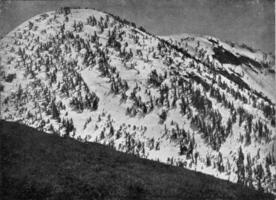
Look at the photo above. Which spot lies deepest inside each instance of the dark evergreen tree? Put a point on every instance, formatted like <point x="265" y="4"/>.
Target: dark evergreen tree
<point x="240" y="166"/>
<point x="54" y="110"/>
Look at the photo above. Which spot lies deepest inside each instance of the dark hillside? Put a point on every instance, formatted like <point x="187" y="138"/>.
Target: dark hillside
<point x="35" y="165"/>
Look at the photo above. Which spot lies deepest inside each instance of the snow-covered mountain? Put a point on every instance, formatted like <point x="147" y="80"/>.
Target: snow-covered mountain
<point x="195" y="102"/>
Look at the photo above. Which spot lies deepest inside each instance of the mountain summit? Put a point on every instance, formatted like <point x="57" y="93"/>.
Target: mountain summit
<point x="196" y="103"/>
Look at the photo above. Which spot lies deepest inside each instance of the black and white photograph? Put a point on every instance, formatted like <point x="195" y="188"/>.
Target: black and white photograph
<point x="137" y="100"/>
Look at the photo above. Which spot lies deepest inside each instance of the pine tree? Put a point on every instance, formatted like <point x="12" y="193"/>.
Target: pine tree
<point x="249" y="180"/>
<point x="267" y="168"/>
<point x="259" y="173"/>
<point x="19" y="92"/>
<point x="54" y="110"/>
<point x="208" y="161"/>
<point x="240" y="166"/>
<point x="102" y="136"/>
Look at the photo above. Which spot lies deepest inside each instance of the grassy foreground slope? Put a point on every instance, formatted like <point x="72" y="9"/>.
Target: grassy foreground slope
<point x="35" y="165"/>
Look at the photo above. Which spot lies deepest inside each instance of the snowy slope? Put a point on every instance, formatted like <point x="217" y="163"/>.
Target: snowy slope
<point x="255" y="67"/>
<point x="96" y="77"/>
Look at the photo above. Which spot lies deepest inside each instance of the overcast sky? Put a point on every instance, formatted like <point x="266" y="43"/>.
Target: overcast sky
<point x="244" y="21"/>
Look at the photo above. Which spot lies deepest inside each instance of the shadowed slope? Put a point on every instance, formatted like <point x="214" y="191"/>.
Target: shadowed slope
<point x="36" y="165"/>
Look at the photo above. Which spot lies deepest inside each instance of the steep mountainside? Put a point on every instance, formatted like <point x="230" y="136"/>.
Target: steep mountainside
<point x="40" y="166"/>
<point x="96" y="77"/>
<point x="255" y="67"/>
